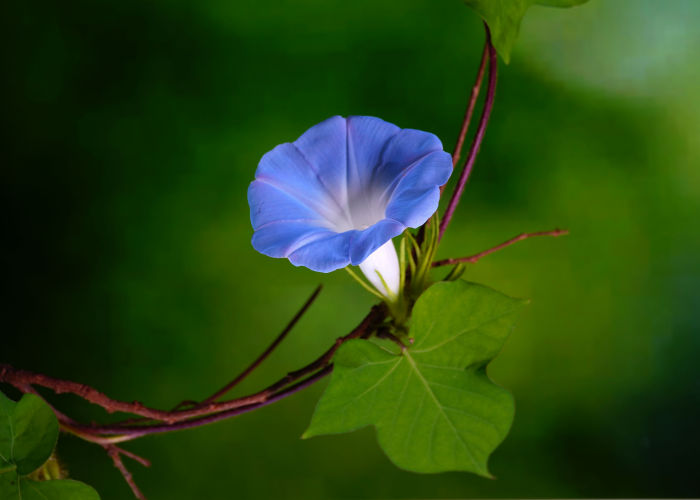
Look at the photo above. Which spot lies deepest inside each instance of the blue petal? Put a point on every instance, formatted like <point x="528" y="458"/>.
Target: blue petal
<point x="414" y="207"/>
<point x="326" y="254"/>
<point x="367" y="241"/>
<point x="429" y="171"/>
<point x="269" y="204"/>
<point x="403" y="151"/>
<point x="286" y="168"/>
<point x="417" y="195"/>
<point x="367" y="139"/>
<point x="324" y="148"/>
<point x="281" y="238"/>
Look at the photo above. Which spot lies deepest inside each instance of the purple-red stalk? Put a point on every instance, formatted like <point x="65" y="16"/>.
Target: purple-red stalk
<point x="515" y="239"/>
<point x="478" y="137"/>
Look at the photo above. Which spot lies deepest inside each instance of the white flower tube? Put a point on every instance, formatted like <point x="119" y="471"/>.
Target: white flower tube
<point x="384" y="261"/>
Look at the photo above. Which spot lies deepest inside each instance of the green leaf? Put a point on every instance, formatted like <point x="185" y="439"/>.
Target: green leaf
<point x="60" y="489"/>
<point x="9" y="486"/>
<point x="13" y="487"/>
<point x="504" y="17"/>
<point x="28" y="432"/>
<point x="433" y="405"/>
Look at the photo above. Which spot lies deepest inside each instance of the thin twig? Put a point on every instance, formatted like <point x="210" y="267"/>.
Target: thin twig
<point x="115" y="454"/>
<point x="28" y="389"/>
<point x="263" y="397"/>
<point x="212" y="412"/>
<point x="478" y="137"/>
<point x="15" y="377"/>
<point x="468" y="112"/>
<point x="520" y="237"/>
<point x="267" y="351"/>
<point x="18" y="378"/>
<point x="134" y="457"/>
<point x="473" y="96"/>
<point x="135" y="432"/>
<point x="108" y="435"/>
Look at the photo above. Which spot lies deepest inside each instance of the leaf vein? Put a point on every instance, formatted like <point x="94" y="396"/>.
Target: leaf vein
<point x="472" y="415"/>
<point x="450" y="339"/>
<point x="442" y="411"/>
<point x="462" y="389"/>
<point x="376" y="384"/>
<point x="413" y="424"/>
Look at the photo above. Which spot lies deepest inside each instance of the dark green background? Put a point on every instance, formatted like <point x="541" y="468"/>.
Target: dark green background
<point x="131" y="130"/>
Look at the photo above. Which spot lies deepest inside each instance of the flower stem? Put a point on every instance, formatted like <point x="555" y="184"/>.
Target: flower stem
<point x="479" y="136"/>
<point x="484" y="253"/>
<point x="267" y="351"/>
<point x="470" y="107"/>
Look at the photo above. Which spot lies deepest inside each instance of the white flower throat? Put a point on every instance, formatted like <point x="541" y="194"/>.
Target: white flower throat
<point x="362" y="209"/>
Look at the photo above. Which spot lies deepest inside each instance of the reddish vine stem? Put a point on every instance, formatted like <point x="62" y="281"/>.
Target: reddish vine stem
<point x="267" y="351"/>
<point x="115" y="454"/>
<point x="105" y="435"/>
<point x="184" y="419"/>
<point x="23" y="378"/>
<point x="473" y="96"/>
<point x="129" y="433"/>
<point x="515" y="239"/>
<point x="28" y="389"/>
<point x="133" y="456"/>
<point x="468" y="112"/>
<point x="275" y="343"/>
<point x="478" y="137"/>
<point x="17" y="378"/>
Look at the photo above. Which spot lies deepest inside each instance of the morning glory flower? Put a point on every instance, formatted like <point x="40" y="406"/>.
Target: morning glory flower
<point x="339" y="194"/>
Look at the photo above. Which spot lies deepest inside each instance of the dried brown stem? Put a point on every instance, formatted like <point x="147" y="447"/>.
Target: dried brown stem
<point x="520" y="237"/>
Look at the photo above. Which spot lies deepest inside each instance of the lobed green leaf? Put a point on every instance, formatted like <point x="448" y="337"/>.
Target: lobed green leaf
<point x="432" y="404"/>
<point x="504" y="17"/>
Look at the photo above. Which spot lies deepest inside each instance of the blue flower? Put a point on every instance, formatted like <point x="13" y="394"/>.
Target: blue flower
<point x="343" y="189"/>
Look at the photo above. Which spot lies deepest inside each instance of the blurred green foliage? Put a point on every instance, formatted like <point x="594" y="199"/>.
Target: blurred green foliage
<point x="131" y="130"/>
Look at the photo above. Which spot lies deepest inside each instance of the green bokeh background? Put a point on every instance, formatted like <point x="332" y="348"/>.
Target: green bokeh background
<point x="132" y="130"/>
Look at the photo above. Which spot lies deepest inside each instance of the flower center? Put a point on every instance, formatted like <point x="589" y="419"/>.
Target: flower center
<point x="362" y="209"/>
